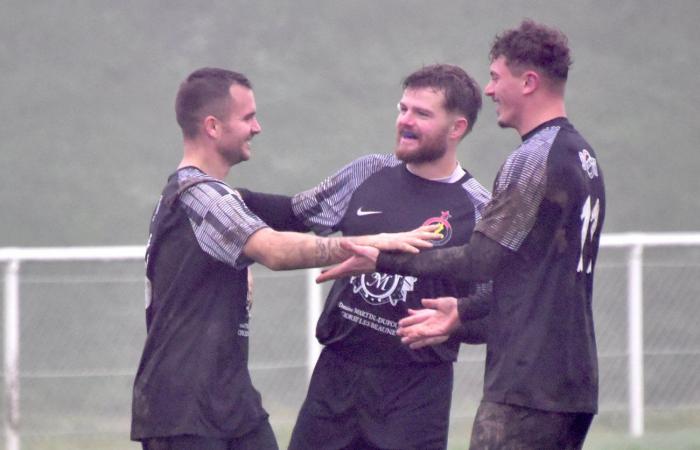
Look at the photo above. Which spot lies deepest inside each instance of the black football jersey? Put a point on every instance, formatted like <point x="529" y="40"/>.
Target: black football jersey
<point x="193" y="375"/>
<point x="377" y="194"/>
<point x="548" y="208"/>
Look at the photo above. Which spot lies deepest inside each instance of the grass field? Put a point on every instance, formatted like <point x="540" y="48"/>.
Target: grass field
<point x="687" y="439"/>
<point x="665" y="431"/>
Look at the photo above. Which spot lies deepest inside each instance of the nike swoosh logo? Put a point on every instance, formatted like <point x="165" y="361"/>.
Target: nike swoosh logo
<point x="361" y="212"/>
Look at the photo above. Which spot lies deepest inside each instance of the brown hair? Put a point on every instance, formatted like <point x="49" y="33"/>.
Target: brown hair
<point x="461" y="92"/>
<point x="205" y="92"/>
<point x="536" y="46"/>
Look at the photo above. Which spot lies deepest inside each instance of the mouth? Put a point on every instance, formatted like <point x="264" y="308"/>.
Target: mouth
<point x="407" y="134"/>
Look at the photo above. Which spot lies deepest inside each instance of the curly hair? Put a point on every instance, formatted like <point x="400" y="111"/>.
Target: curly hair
<point x="205" y="92"/>
<point x="535" y="46"/>
<point x="461" y="92"/>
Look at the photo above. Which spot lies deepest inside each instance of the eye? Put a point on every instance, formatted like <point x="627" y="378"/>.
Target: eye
<point x="423" y="113"/>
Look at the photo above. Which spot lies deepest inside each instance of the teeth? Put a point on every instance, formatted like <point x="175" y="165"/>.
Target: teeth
<point x="409" y="135"/>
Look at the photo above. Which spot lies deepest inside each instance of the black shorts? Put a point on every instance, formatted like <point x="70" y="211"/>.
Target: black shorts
<point x="261" y="438"/>
<point x="352" y="406"/>
<point x="498" y="425"/>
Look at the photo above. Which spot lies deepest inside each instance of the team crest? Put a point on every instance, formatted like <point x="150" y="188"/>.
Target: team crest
<point x="588" y="163"/>
<point x="380" y="288"/>
<point x="444" y="229"/>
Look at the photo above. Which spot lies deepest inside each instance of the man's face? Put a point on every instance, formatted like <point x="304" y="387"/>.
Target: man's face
<point x="505" y="89"/>
<point x="422" y="126"/>
<point x="240" y="127"/>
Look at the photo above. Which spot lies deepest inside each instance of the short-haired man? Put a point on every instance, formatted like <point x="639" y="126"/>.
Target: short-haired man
<point x="193" y="389"/>
<point x="368" y="391"/>
<point x="538" y="240"/>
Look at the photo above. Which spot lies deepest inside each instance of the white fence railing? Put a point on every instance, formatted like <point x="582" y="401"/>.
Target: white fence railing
<point x="12" y="258"/>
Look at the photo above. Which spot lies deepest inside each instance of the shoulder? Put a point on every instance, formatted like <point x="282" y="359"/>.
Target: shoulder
<point x="477" y="191"/>
<point x="375" y="161"/>
<point x="193" y="185"/>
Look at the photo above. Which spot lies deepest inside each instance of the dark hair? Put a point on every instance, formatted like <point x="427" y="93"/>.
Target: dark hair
<point x="205" y="92"/>
<point x="536" y="46"/>
<point x="461" y="92"/>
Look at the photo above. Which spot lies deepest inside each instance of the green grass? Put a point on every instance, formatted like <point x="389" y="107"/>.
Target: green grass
<point x="660" y="435"/>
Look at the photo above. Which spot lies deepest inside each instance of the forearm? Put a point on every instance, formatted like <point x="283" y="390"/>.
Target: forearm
<point x="474" y="315"/>
<point x="473" y="331"/>
<point x="476" y="261"/>
<point x="288" y="250"/>
<point x="477" y="305"/>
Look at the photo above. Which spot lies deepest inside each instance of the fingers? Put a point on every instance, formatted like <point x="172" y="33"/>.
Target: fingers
<point x="415" y="317"/>
<point x="331" y="273"/>
<point x="427" y="342"/>
<point x="346" y="244"/>
<point x="406" y="248"/>
<point x="421" y="243"/>
<point x="432" y="303"/>
<point x="428" y="228"/>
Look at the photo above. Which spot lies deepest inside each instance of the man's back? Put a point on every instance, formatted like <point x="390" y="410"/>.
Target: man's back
<point x="549" y="205"/>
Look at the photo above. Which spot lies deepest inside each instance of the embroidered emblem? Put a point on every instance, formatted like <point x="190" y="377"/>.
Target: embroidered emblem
<point x="588" y="163"/>
<point x="380" y="288"/>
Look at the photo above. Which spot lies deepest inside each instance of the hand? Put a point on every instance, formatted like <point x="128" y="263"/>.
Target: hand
<point x="429" y="326"/>
<point x="364" y="260"/>
<point x="407" y="241"/>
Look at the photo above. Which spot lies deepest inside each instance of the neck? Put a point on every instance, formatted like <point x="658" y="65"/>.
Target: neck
<point x="540" y="114"/>
<point x="204" y="159"/>
<point x="435" y="170"/>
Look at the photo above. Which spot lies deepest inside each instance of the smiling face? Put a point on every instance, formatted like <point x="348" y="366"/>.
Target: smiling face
<point x="505" y="89"/>
<point x="239" y="128"/>
<point x="422" y="126"/>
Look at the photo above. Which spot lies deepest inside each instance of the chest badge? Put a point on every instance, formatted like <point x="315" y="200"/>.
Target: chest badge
<point x="444" y="229"/>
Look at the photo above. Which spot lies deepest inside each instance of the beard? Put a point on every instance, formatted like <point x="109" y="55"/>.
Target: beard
<point x="428" y="152"/>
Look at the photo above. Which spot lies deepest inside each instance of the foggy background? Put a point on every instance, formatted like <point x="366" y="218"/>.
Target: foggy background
<point x="89" y="134"/>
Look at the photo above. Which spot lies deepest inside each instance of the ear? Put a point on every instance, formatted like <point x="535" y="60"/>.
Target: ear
<point x="459" y="128"/>
<point x="211" y="127"/>
<point x="531" y="81"/>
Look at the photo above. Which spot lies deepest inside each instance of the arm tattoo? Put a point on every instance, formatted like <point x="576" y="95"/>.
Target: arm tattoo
<point x="328" y="251"/>
<point x="478" y="260"/>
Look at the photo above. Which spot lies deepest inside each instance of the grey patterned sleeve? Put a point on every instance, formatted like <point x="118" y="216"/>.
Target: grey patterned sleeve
<point x="323" y="207"/>
<point x="518" y="191"/>
<point x="221" y="221"/>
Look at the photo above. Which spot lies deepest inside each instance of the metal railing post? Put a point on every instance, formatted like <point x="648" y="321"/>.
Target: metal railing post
<point x="636" y="340"/>
<point x="11" y="363"/>
<point x="314" y="302"/>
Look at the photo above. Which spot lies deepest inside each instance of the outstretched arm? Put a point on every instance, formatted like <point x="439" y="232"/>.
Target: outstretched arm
<point x="479" y="260"/>
<point x="476" y="261"/>
<point x="278" y="250"/>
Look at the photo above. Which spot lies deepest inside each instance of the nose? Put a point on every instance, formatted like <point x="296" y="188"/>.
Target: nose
<point x="404" y="119"/>
<point x="256" y="127"/>
<point x="488" y="90"/>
